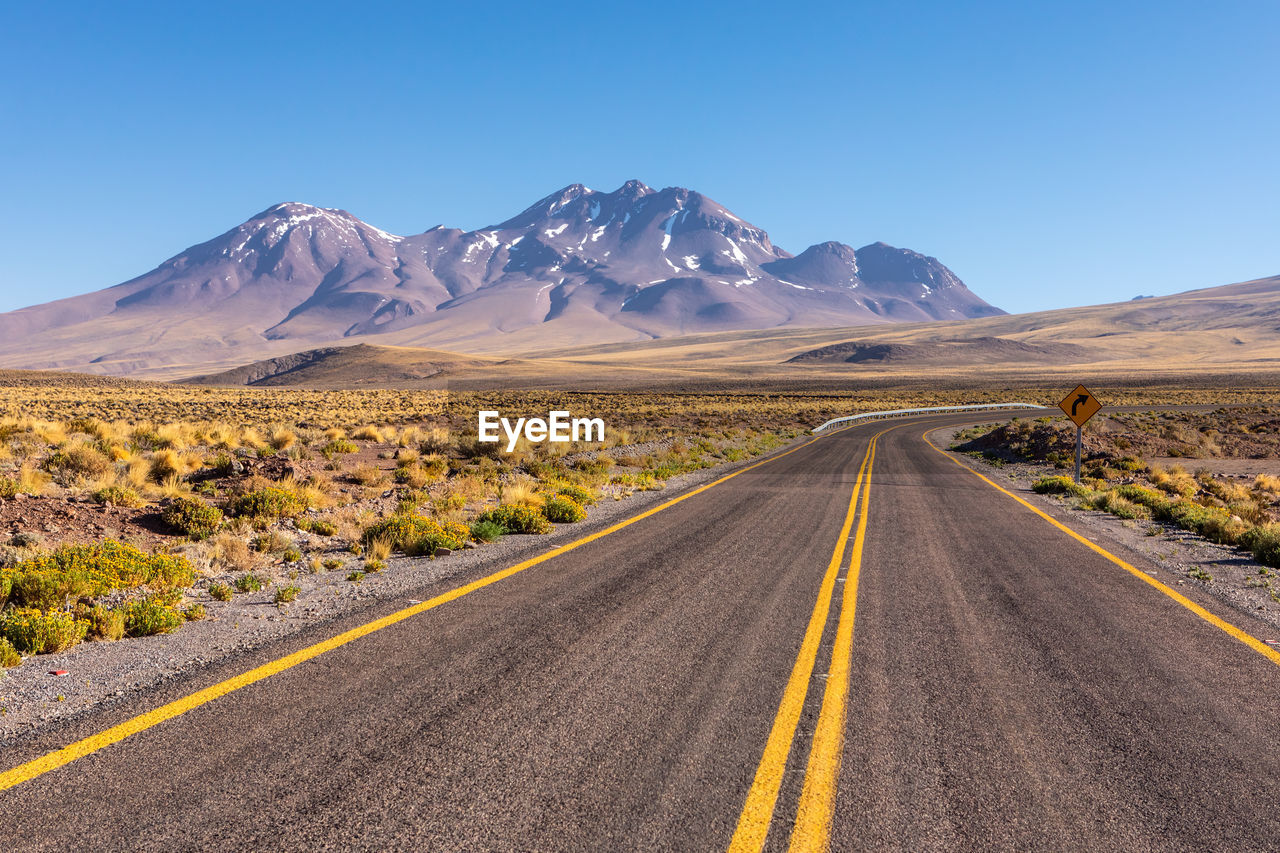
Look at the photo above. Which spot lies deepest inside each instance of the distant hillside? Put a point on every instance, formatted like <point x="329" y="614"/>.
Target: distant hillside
<point x="1231" y="331"/>
<point x="577" y="267"/>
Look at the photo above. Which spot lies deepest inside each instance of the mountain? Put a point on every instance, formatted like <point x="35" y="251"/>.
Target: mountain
<point x="577" y="267"/>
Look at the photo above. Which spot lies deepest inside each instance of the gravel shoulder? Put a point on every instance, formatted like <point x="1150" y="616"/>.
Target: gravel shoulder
<point x="1229" y="575"/>
<point x="54" y="689"/>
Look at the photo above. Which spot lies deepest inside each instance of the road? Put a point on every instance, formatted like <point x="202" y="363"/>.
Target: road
<point x="1007" y="688"/>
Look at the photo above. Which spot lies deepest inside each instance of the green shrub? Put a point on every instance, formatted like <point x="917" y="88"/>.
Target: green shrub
<point x="1060" y="486"/>
<point x="32" y="632"/>
<point x="291" y="555"/>
<point x="374" y="566"/>
<point x="563" y="510"/>
<point x="9" y="488"/>
<point x="249" y="582"/>
<point x="8" y="654"/>
<point x="356" y="576"/>
<point x="269" y="504"/>
<point x="118" y="496"/>
<point x="219" y="592"/>
<point x="286" y="594"/>
<point x="104" y="623"/>
<point x="578" y="494"/>
<point x="417" y="535"/>
<point x="147" y="616"/>
<point x="1264" y="543"/>
<point x="517" y="518"/>
<point x="337" y="446"/>
<point x="193" y="517"/>
<point x="88" y="571"/>
<point x="317" y="526"/>
<point x="194" y="613"/>
<point x="332" y="564"/>
<point x="486" y="531"/>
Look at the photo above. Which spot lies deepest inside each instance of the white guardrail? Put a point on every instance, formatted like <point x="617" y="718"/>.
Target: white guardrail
<point x="937" y="410"/>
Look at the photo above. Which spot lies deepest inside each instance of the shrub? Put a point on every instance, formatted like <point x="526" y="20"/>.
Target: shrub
<point x="374" y="565"/>
<point x="291" y="555"/>
<point x="8" y="488"/>
<point x="88" y="571"/>
<point x="219" y="592"/>
<point x="77" y="464"/>
<point x="286" y="594"/>
<point x="1264" y="543"/>
<point x="355" y="576"/>
<point x="194" y="613"/>
<point x="8" y="654"/>
<point x="577" y="493"/>
<point x="486" y="531"/>
<point x="269" y="504"/>
<point x="331" y="564"/>
<point x="317" y="526"/>
<point x="32" y="632"/>
<point x="367" y="433"/>
<point x="249" y="582"/>
<point x="104" y="623"/>
<point x="193" y="517"/>
<point x="416" y="535"/>
<point x="337" y="446"/>
<point x="148" y="616"/>
<point x="1060" y="486"/>
<point x="118" y="496"/>
<point x="563" y="510"/>
<point x="515" y="518"/>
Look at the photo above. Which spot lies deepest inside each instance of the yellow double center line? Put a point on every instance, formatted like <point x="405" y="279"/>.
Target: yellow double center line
<point x="813" y="818"/>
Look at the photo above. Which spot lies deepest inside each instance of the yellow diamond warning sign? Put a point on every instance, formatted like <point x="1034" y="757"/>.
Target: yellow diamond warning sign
<point x="1080" y="405"/>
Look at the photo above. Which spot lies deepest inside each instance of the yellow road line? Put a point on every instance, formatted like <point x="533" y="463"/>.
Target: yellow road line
<point x="1246" y="638"/>
<point x="117" y="733"/>
<point x="757" y="813"/>
<point x="812" y="831"/>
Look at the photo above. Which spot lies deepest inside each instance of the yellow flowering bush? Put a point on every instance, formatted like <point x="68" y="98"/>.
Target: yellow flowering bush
<point x="87" y="571"/>
<point x="36" y="633"/>
<point x="563" y="509"/>
<point x="516" y="518"/>
<point x="417" y="535"/>
<point x="269" y="504"/>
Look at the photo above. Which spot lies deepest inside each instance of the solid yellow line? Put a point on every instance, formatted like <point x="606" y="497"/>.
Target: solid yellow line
<point x="812" y="831"/>
<point x="1246" y="638"/>
<point x="115" y="734"/>
<point x="757" y="813"/>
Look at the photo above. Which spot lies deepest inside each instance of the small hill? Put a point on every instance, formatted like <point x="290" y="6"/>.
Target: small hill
<point x="356" y="366"/>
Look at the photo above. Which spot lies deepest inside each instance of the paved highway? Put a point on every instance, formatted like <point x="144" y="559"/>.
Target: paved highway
<point x="672" y="685"/>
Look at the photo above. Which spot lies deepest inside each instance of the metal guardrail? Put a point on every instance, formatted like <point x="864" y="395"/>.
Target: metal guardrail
<point x="937" y="410"/>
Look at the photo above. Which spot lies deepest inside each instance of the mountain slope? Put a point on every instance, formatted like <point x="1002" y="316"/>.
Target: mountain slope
<point x="577" y="267"/>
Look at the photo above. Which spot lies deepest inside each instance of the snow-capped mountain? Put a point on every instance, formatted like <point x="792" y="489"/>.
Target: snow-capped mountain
<point x="576" y="266"/>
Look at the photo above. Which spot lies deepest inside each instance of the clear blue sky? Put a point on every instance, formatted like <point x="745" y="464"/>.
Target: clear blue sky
<point x="1050" y="154"/>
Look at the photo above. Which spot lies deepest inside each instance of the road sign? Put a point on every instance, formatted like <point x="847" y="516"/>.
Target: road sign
<point x="1080" y="405"/>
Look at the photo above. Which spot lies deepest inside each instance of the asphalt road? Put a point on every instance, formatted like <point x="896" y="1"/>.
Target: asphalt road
<point x="1009" y="689"/>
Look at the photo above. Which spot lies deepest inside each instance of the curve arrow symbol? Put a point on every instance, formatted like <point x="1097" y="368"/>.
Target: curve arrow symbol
<point x="1077" y="402"/>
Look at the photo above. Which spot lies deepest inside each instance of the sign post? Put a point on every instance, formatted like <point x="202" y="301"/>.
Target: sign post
<point x="1080" y="405"/>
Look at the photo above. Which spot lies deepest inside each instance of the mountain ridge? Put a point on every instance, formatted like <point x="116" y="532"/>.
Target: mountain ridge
<point x="577" y="266"/>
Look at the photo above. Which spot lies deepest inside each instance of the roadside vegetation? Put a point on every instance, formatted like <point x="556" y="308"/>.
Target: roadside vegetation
<point x="129" y="527"/>
<point x="1129" y="470"/>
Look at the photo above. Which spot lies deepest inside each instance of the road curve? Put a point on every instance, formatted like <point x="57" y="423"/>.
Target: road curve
<point x="1008" y="688"/>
